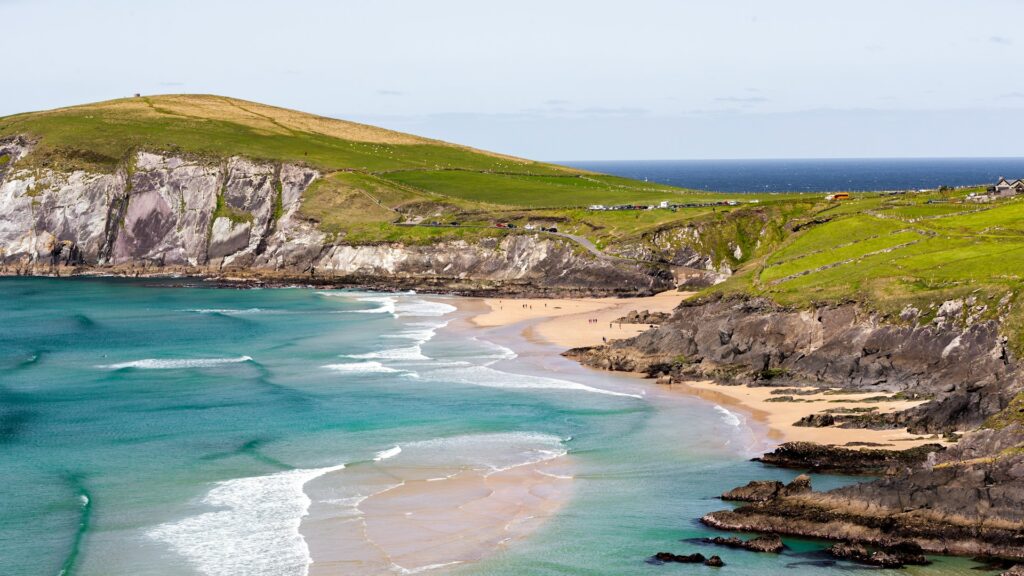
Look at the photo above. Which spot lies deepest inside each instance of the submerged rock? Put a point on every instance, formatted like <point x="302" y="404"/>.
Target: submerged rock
<point x="714" y="562"/>
<point x="695" y="558"/>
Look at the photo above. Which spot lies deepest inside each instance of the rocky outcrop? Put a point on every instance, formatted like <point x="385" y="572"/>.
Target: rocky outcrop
<point x="695" y="558"/>
<point x="967" y="500"/>
<point x="893" y="556"/>
<point x="764" y="490"/>
<point x="819" y="458"/>
<point x="238" y="218"/>
<point x="643" y="317"/>
<point x="962" y="366"/>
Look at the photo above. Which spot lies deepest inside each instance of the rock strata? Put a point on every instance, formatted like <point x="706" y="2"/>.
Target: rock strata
<point x="964" y="369"/>
<point x="871" y="461"/>
<point x="163" y="214"/>
<point x="764" y="490"/>
<point x="967" y="500"/>
<point x="893" y="556"/>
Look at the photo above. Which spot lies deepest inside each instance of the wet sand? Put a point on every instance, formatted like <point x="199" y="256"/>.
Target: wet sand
<point x="422" y="519"/>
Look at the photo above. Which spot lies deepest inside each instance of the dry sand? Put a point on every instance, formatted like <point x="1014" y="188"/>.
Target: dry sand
<point x="780" y="416"/>
<point x="566" y="321"/>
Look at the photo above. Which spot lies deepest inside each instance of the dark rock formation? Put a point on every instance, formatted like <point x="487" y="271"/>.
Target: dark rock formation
<point x="764" y="490"/>
<point x="895" y="556"/>
<point x="695" y="558"/>
<point x="967" y="500"/>
<point x="771" y="543"/>
<point x="820" y="458"/>
<point x="816" y="421"/>
<point x="714" y="562"/>
<point x="644" y="317"/>
<point x="964" y="368"/>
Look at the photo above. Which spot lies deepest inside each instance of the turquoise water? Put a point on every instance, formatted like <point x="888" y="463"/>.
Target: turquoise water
<point x="148" y="428"/>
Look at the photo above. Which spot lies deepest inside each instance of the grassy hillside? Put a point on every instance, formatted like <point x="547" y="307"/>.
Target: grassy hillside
<point x="896" y="251"/>
<point x="375" y="179"/>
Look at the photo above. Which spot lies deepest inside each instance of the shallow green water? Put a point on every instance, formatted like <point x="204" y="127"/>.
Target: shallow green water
<point x="152" y="429"/>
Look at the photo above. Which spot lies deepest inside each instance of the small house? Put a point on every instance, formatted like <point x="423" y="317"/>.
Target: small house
<point x="1006" y="187"/>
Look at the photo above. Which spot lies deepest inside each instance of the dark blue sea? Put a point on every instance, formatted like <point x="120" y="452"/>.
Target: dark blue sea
<point x="830" y="175"/>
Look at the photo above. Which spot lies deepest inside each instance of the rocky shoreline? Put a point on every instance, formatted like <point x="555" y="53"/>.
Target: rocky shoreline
<point x="965" y="500"/>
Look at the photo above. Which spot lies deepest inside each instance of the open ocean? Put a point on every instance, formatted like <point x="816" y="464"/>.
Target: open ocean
<point x="152" y="429"/>
<point x="832" y="175"/>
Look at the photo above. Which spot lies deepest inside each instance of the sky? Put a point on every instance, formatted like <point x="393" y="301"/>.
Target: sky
<point x="561" y="79"/>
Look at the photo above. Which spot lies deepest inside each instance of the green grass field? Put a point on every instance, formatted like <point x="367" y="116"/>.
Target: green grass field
<point x="895" y="252"/>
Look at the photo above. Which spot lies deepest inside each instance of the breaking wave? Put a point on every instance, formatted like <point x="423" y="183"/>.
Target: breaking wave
<point x="357" y="367"/>
<point x="728" y="417"/>
<point x="255" y="529"/>
<point x="172" y="363"/>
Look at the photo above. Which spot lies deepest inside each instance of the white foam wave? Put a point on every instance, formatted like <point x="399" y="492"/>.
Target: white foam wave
<point x="418" y="308"/>
<point x="227" y="311"/>
<point x="497" y="351"/>
<point x="355" y="367"/>
<point x="407" y="353"/>
<point x="728" y="417"/>
<point x="489" y="452"/>
<point x="169" y="363"/>
<point x="422" y="569"/>
<point x="423" y="333"/>
<point x="255" y="529"/>
<point x="389" y="453"/>
<point x="386" y="305"/>
<point x="491" y="378"/>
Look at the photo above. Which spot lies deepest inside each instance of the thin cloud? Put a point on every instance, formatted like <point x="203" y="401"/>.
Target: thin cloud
<point x="390" y="93"/>
<point x="1012" y="95"/>
<point x="742" y="99"/>
<point x="1001" y="40"/>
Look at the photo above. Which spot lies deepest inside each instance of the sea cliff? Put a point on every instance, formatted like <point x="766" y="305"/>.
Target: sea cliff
<point x="163" y="214"/>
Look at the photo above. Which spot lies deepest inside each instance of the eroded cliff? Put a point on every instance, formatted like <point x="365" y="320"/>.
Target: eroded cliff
<point x="163" y="214"/>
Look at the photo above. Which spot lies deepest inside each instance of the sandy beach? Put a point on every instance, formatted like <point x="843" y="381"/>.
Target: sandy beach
<point x="575" y="322"/>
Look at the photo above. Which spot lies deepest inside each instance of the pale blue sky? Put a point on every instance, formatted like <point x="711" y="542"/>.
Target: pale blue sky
<point x="561" y="80"/>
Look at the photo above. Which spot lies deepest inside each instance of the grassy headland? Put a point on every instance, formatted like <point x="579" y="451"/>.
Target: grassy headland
<point x="889" y="251"/>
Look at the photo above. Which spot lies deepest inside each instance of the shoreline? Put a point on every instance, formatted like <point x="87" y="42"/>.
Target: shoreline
<point x="583" y="322"/>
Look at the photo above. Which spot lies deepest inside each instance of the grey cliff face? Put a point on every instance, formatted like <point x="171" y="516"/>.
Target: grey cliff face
<point x="239" y="217"/>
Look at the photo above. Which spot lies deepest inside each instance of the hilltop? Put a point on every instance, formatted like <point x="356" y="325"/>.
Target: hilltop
<point x="370" y="176"/>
